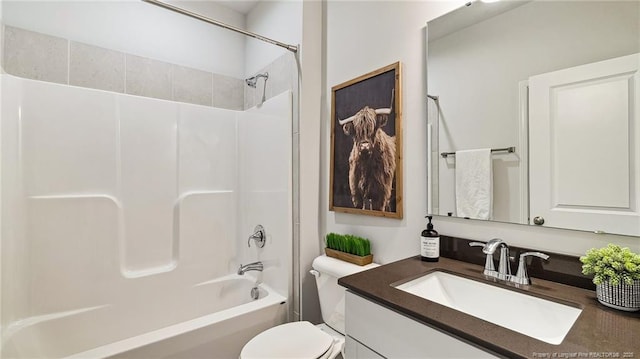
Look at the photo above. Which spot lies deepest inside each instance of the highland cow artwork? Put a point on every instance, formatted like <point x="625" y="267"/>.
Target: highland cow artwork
<point x="366" y="146"/>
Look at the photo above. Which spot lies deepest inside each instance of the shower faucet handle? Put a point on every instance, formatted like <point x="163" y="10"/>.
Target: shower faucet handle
<point x="259" y="236"/>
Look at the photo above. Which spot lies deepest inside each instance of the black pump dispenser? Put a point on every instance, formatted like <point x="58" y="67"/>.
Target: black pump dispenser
<point x="430" y="225"/>
<point x="429" y="243"/>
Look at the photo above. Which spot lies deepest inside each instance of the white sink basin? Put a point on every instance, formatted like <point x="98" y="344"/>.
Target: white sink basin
<point x="532" y="316"/>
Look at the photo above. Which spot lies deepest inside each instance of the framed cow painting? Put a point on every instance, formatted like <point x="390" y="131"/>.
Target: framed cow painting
<point x="366" y="144"/>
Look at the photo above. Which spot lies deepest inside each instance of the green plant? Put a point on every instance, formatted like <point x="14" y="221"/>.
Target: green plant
<point x="349" y="244"/>
<point x="611" y="263"/>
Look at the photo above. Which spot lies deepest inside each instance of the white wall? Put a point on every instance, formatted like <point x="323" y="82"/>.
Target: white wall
<point x="141" y="29"/>
<point x="311" y="90"/>
<point x="398" y="34"/>
<point x="278" y="20"/>
<point x="1" y="71"/>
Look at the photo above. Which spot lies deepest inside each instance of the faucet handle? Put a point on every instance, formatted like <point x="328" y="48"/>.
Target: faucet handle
<point x="534" y="254"/>
<point x="259" y="236"/>
<point x="489" y="267"/>
<point x="521" y="276"/>
<point x="491" y="246"/>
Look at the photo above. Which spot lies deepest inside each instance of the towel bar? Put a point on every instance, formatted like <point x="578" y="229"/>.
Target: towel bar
<point x="506" y="149"/>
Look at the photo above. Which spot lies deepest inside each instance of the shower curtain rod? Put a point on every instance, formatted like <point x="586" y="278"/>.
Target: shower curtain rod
<point x="194" y="15"/>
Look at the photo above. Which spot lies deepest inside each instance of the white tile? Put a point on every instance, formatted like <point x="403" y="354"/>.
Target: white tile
<point x="96" y="67"/>
<point x="228" y="92"/>
<point x="280" y="75"/>
<point x="35" y="56"/>
<point x="192" y="86"/>
<point x="148" y="77"/>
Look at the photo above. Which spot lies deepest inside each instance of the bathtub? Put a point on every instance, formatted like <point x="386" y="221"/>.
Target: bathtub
<point x="211" y="319"/>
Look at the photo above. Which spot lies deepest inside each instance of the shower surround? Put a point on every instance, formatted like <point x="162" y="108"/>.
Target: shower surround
<point x="39" y="56"/>
<point x="117" y="208"/>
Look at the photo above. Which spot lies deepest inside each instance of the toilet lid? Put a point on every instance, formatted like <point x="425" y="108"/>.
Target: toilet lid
<point x="291" y="340"/>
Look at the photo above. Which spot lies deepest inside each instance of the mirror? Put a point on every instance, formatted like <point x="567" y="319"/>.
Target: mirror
<point x="556" y="82"/>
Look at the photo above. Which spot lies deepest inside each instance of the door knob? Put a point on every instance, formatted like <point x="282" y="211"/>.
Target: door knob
<point x="538" y="221"/>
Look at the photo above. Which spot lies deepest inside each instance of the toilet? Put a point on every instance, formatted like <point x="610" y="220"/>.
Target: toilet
<point x="303" y="339"/>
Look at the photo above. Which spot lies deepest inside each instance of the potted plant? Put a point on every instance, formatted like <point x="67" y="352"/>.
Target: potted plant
<point x="616" y="273"/>
<point x="349" y="248"/>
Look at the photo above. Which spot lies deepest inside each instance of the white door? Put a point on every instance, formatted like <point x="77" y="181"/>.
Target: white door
<point x="584" y="129"/>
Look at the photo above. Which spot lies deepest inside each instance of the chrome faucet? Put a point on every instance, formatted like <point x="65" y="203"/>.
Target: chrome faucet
<point x="504" y="269"/>
<point x="255" y="266"/>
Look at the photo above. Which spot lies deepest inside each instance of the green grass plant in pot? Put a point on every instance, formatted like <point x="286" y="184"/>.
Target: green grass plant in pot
<point x="349" y="248"/>
<point x="616" y="274"/>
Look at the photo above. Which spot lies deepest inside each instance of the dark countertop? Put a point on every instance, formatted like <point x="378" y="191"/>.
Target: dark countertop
<point x="599" y="331"/>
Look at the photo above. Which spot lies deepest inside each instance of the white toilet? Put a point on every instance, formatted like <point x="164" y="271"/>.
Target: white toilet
<point x="303" y="339"/>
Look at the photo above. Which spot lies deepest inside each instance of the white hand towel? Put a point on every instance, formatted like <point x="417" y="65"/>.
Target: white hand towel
<point x="474" y="184"/>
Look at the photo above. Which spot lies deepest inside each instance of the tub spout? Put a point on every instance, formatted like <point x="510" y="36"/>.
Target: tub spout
<point x="255" y="266"/>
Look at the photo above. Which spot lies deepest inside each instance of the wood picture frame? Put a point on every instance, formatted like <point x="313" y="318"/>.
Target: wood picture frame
<point x="366" y="144"/>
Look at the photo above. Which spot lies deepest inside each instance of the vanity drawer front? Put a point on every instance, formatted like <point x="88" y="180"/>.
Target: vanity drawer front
<point x="395" y="336"/>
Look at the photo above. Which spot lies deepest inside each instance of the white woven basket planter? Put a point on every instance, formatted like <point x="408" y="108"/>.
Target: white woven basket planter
<point x="623" y="296"/>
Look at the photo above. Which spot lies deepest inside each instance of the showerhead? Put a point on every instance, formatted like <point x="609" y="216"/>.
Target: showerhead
<point x="251" y="81"/>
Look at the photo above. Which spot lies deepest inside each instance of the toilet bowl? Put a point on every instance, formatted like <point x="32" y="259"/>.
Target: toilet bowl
<point x="303" y="339"/>
<point x="293" y="340"/>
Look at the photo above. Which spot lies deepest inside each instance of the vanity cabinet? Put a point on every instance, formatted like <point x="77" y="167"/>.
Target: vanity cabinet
<point x="374" y="331"/>
<point x="355" y="349"/>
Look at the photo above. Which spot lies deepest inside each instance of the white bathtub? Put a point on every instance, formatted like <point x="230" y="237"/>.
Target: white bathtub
<point x="212" y="319"/>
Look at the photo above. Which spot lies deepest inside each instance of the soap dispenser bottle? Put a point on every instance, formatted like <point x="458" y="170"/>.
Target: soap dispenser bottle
<point x="429" y="243"/>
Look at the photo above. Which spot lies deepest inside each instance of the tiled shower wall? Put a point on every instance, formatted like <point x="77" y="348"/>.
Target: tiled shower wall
<point x="282" y="77"/>
<point x="48" y="58"/>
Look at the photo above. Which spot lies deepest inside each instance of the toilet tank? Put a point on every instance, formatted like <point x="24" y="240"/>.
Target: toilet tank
<point x="330" y="294"/>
